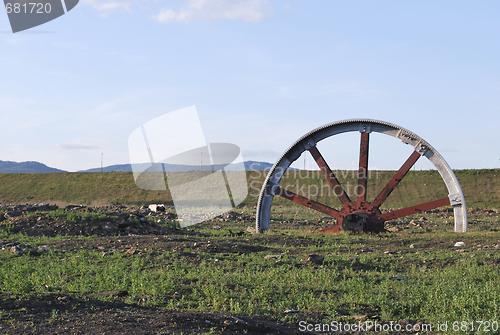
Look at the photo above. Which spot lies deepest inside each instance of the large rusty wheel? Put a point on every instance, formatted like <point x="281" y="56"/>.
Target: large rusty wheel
<point x="360" y="214"/>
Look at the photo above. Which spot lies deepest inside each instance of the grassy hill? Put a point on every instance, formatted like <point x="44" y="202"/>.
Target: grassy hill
<point x="481" y="188"/>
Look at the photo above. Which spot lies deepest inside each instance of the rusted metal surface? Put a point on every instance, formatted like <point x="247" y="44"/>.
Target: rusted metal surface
<point x="363" y="167"/>
<point x="307" y="202"/>
<point x="360" y="214"/>
<point x="415" y="209"/>
<point x="331" y="230"/>
<point x="396" y="179"/>
<point x="337" y="188"/>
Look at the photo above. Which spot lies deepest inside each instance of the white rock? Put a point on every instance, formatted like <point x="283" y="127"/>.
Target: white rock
<point x="459" y="244"/>
<point x="157" y="208"/>
<point x="291" y="311"/>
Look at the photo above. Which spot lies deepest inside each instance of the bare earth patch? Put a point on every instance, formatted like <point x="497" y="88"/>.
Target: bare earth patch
<point x="141" y="233"/>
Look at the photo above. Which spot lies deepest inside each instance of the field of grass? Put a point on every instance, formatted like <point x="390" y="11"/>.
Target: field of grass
<point x="481" y="188"/>
<point x="364" y="277"/>
<point x="412" y="276"/>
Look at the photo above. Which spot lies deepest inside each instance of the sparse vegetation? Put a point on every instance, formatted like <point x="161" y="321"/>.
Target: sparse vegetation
<point x="481" y="187"/>
<point x="230" y="275"/>
<point x="216" y="272"/>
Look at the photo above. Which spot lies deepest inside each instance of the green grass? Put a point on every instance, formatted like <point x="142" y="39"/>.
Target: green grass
<point x="82" y="188"/>
<point x="440" y="283"/>
<point x="481" y="188"/>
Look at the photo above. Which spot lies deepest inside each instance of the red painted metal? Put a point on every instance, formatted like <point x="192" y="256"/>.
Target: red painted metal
<point x="414" y="209"/>
<point x="363" y="167"/>
<point x="331" y="230"/>
<point x="330" y="176"/>
<point x="403" y="170"/>
<point x="376" y="218"/>
<point x="307" y="202"/>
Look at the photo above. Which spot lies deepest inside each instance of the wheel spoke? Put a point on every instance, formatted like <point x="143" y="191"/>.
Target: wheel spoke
<point x="338" y="190"/>
<point x="391" y="185"/>
<point x="415" y="209"/>
<point x="307" y="202"/>
<point x="362" y="207"/>
<point x="363" y="167"/>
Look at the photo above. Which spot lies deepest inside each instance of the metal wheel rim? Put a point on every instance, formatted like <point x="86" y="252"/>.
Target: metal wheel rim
<point x="309" y="140"/>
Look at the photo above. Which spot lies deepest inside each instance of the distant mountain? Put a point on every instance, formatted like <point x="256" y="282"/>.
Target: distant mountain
<point x="248" y="166"/>
<point x="25" y="167"/>
<point x="36" y="167"/>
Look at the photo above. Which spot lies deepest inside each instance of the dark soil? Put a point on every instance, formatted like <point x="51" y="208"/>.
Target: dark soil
<point x="63" y="314"/>
<point x="140" y="231"/>
<point x="34" y="220"/>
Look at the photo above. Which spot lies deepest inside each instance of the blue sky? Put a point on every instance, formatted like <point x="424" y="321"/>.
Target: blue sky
<point x="260" y="73"/>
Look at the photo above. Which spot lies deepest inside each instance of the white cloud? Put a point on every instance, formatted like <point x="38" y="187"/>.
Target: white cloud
<point x="192" y="10"/>
<point x="211" y="10"/>
<point x="109" y="5"/>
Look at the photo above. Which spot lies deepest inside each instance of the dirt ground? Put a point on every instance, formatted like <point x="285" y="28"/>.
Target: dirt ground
<point x="124" y="231"/>
<point x="93" y="316"/>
